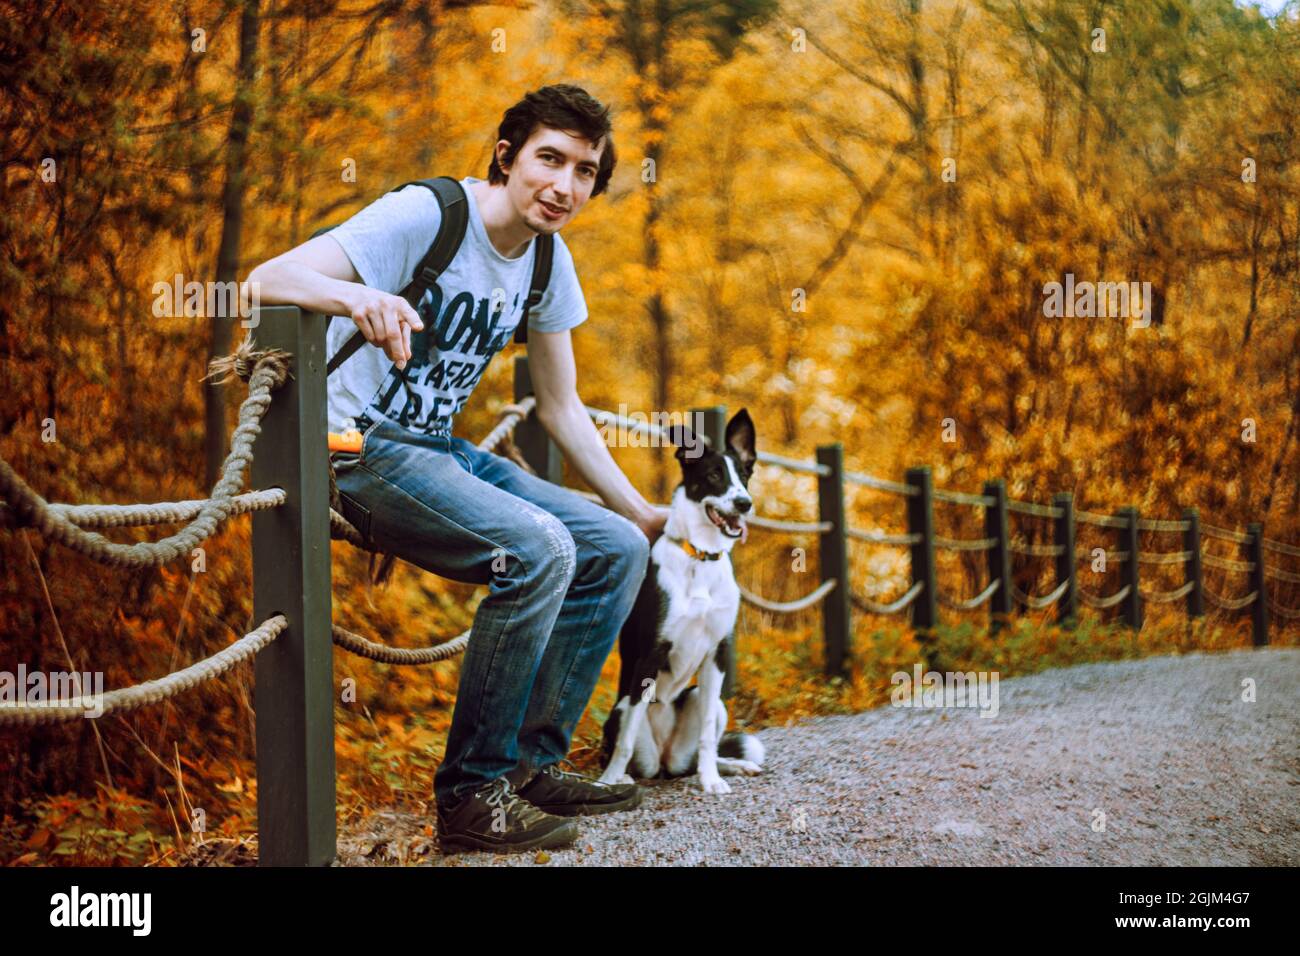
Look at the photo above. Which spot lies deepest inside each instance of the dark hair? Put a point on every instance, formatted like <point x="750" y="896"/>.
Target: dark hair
<point x="567" y="108"/>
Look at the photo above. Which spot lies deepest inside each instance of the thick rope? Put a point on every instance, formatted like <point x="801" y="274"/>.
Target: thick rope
<point x="1040" y="602"/>
<point x="1230" y="604"/>
<point x="602" y="417"/>
<point x="789" y="607"/>
<point x="794" y="464"/>
<point x="511" y="415"/>
<point x="1156" y="524"/>
<point x="1038" y="550"/>
<point x="1085" y="554"/>
<point x="163" y="512"/>
<point x="893" y="607"/>
<point x="969" y="604"/>
<point x="1290" y="613"/>
<point x="1102" y="521"/>
<point x="806" y="527"/>
<point x="150" y="692"/>
<point x="964" y="544"/>
<point x="1166" y="557"/>
<point x="880" y="484"/>
<point x="398" y="655"/>
<point x="962" y="498"/>
<point x="1038" y="511"/>
<point x="343" y="530"/>
<point x="1225" y="534"/>
<point x="1165" y="597"/>
<point x="1281" y="548"/>
<point x="879" y="537"/>
<point x="1101" y="603"/>
<point x="1226" y="564"/>
<point x="269" y="371"/>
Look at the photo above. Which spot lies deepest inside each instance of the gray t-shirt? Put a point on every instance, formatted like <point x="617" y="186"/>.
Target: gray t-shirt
<point x="469" y="316"/>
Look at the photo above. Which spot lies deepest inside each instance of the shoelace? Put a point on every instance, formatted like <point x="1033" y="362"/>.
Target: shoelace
<point x="501" y="789"/>
<point x="555" y="770"/>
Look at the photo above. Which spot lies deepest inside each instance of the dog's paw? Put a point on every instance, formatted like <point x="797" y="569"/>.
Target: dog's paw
<point x="748" y="767"/>
<point x="715" y="785"/>
<point x="609" y="779"/>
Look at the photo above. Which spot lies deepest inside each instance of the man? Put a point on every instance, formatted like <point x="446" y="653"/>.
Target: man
<point x="563" y="572"/>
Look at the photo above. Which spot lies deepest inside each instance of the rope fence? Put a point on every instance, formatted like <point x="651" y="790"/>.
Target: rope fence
<point x="969" y="604"/>
<point x="893" y="607"/>
<point x="150" y="692"/>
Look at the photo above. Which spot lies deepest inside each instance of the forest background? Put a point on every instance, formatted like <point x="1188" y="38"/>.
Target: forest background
<point x="841" y="216"/>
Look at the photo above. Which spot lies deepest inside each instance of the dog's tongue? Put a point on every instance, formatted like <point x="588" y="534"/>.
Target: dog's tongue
<point x="744" y="530"/>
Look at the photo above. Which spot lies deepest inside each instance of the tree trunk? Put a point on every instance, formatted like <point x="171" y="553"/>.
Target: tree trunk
<point x="232" y="221"/>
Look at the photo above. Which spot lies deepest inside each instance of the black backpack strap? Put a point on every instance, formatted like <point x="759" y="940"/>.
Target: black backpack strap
<point x="453" y="204"/>
<point x="542" y="258"/>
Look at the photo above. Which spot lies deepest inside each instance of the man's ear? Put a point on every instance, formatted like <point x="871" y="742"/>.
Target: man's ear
<point x="740" y="438"/>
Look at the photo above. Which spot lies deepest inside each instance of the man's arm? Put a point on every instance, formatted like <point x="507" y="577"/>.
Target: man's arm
<point x="319" y="276"/>
<point x="560" y="410"/>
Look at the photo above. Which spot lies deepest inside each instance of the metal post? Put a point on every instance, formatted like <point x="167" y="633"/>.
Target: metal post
<point x="920" y="521"/>
<point x="712" y="423"/>
<point x="1192" y="566"/>
<point x="1129" y="542"/>
<point x="1067" y="607"/>
<point x="1258" y="607"/>
<point x="997" y="527"/>
<point x="294" y="693"/>
<point x="833" y="557"/>
<point x="541" y="453"/>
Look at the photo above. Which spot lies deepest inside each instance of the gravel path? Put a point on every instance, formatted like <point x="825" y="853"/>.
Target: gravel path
<point x="1185" y="772"/>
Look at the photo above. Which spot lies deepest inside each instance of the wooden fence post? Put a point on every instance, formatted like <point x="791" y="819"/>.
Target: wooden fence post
<point x="1192" y="566"/>
<point x="541" y="453"/>
<point x="712" y="422"/>
<point x="1067" y="606"/>
<point x="833" y="557"/>
<point x="1129" y="542"/>
<point x="997" y="527"/>
<point x="1259" y="607"/>
<point x="294" y="689"/>
<point x="920" y="521"/>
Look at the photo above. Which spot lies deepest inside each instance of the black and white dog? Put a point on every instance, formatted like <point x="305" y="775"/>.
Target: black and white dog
<point x="679" y="625"/>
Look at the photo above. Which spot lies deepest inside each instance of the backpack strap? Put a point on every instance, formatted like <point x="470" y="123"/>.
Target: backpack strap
<point x="454" y="205"/>
<point x="543" y="256"/>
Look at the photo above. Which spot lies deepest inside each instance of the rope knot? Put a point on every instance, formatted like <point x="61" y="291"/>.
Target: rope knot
<point x="246" y="360"/>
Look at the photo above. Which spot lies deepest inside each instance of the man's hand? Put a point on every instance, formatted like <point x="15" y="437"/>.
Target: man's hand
<point x="386" y="320"/>
<point x="652" y="525"/>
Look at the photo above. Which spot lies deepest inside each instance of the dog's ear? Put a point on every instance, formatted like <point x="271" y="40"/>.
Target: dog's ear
<point x="689" y="443"/>
<point x="740" y="438"/>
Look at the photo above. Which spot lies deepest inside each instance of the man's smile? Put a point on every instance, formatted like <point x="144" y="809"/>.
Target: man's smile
<point x="552" y="212"/>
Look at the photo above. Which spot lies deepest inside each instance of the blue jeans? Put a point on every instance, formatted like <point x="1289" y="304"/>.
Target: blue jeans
<point x="562" y="575"/>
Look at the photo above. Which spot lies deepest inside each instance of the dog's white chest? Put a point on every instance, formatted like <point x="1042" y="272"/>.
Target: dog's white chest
<point x="702" y="595"/>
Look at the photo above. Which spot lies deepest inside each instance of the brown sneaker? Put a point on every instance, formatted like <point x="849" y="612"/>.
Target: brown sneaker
<point x="570" y="794"/>
<point x="494" y="818"/>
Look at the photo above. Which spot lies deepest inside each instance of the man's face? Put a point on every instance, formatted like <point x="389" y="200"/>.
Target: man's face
<point x="552" y="177"/>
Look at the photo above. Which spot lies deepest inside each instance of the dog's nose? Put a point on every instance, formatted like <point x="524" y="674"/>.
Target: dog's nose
<point x="743" y="505"/>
